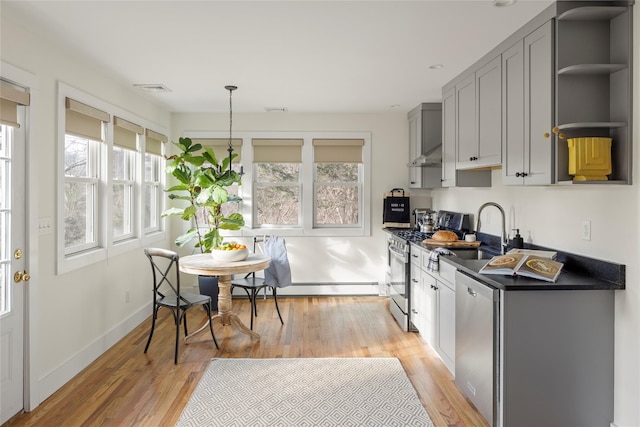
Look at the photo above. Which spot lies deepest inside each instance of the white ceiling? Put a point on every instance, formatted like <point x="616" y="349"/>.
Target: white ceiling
<point x="307" y="56"/>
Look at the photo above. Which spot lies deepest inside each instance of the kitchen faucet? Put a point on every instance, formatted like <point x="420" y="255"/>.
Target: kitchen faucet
<point x="503" y="237"/>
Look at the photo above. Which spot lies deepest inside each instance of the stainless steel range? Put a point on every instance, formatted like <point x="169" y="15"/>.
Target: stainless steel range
<point x="399" y="265"/>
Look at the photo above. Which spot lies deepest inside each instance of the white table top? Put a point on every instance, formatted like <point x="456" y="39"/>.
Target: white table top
<point x="205" y="265"/>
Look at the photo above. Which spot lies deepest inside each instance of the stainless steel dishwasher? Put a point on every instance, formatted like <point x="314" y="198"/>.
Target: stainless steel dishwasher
<point x="477" y="308"/>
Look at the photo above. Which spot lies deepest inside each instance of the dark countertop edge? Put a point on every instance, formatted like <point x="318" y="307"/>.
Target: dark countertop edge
<point x="567" y="280"/>
<point x="578" y="273"/>
<point x="586" y="267"/>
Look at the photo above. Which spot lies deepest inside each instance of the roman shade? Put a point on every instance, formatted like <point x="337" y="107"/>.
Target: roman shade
<point x="84" y="121"/>
<point x="277" y="150"/>
<point x="220" y="146"/>
<point x="154" y="142"/>
<point x="337" y="150"/>
<point x="125" y="133"/>
<point x="10" y="98"/>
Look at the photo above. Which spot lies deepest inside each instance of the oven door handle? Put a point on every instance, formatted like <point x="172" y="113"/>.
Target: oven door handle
<point x="400" y="254"/>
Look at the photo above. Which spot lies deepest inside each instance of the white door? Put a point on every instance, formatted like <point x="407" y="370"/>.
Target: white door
<point x="12" y="269"/>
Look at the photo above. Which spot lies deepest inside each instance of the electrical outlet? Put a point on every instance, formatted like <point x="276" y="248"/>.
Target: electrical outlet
<point x="586" y="230"/>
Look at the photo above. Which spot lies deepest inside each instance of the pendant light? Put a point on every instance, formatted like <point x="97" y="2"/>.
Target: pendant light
<point x="231" y="88"/>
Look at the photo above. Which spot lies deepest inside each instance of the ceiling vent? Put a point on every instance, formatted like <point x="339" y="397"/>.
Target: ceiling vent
<point x="155" y="88"/>
<point x="276" y="109"/>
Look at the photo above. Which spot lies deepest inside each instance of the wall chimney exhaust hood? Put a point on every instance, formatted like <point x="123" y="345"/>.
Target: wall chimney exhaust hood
<point x="431" y="158"/>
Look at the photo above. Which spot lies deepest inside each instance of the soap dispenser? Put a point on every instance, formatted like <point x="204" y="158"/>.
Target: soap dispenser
<point x="517" y="242"/>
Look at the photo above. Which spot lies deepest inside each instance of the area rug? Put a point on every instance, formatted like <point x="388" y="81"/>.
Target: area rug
<point x="304" y="392"/>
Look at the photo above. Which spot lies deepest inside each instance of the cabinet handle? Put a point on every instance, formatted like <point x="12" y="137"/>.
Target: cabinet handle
<point x="521" y="174"/>
<point x="472" y="292"/>
<point x="472" y="159"/>
<point x="414" y="280"/>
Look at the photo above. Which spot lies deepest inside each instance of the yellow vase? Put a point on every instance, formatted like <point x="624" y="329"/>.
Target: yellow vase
<point x="589" y="158"/>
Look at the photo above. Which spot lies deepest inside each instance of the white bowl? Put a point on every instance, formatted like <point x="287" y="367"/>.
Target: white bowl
<point x="234" y="255"/>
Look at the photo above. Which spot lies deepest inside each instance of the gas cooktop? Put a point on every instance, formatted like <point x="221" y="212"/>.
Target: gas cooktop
<point x="412" y="235"/>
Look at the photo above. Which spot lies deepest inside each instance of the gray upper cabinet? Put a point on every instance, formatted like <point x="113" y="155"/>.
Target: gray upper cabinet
<point x="451" y="175"/>
<point x="479" y="117"/>
<point x="467" y="143"/>
<point x="489" y="113"/>
<point x="565" y="74"/>
<point x="527" y="109"/>
<point x="425" y="146"/>
<point x="449" y="138"/>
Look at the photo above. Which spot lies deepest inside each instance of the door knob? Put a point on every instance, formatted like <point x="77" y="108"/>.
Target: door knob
<point x="21" y="276"/>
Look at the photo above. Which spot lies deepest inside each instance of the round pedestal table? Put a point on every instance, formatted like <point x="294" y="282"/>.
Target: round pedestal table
<point x="205" y="265"/>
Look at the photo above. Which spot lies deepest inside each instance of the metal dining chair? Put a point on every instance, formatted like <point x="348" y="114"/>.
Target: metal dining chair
<point x="167" y="293"/>
<point x="277" y="275"/>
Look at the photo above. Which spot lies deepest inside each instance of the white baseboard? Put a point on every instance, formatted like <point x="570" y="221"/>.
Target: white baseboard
<point x="55" y="379"/>
<point x="326" y="289"/>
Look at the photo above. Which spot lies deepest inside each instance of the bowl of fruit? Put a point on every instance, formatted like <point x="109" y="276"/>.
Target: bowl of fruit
<point x="230" y="251"/>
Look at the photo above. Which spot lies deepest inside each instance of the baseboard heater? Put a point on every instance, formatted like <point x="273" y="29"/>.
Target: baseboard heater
<point x="326" y="289"/>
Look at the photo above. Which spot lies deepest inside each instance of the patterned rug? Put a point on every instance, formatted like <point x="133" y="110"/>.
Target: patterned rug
<point x="304" y="392"/>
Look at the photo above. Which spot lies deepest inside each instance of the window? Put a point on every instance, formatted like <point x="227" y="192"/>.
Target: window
<point x="337" y="182"/>
<point x="109" y="190"/>
<point x="124" y="173"/>
<point x="5" y="216"/>
<point x="153" y="172"/>
<point x="311" y="183"/>
<point x="277" y="183"/>
<point x="11" y="97"/>
<point x="84" y="133"/>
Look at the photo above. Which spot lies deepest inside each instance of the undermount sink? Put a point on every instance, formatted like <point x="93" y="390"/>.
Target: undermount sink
<point x="488" y="254"/>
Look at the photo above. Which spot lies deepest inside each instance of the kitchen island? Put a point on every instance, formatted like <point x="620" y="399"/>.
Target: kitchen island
<point x="530" y="352"/>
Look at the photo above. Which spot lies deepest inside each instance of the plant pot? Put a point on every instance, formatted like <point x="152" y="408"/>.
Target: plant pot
<point x="208" y="285"/>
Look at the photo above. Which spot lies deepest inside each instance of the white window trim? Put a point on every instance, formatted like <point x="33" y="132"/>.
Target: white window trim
<point x="131" y="182"/>
<point x="107" y="246"/>
<point x="306" y="228"/>
<point x="157" y="186"/>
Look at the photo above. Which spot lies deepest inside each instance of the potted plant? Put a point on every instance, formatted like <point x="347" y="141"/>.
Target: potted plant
<point x="202" y="187"/>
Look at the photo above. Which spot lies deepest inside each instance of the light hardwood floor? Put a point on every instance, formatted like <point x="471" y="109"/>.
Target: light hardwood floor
<point x="125" y="387"/>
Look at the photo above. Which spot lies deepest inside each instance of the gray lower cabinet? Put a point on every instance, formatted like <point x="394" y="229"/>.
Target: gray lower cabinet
<point x="535" y="358"/>
<point x="446" y="321"/>
<point x="433" y="305"/>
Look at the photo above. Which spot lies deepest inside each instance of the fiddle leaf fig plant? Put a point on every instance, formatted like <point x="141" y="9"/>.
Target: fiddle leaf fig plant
<point x="202" y="187"/>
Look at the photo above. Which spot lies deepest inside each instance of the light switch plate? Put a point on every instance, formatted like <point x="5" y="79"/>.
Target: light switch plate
<point x="586" y="230"/>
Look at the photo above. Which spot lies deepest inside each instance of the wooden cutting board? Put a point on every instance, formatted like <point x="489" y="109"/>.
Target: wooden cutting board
<point x="454" y="244"/>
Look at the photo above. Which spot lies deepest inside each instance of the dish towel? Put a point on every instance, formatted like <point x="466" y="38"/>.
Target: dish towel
<point x="434" y="258"/>
<point x="278" y="273"/>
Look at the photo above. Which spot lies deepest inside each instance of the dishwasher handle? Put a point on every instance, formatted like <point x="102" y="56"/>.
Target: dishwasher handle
<point x="472" y="292"/>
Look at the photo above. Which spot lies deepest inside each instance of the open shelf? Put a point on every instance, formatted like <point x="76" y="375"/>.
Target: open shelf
<point x="585" y="125"/>
<point x="592" y="69"/>
<point x="610" y="182"/>
<point x="592" y="13"/>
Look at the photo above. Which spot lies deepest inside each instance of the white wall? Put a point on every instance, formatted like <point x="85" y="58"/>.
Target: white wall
<point x="76" y="316"/>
